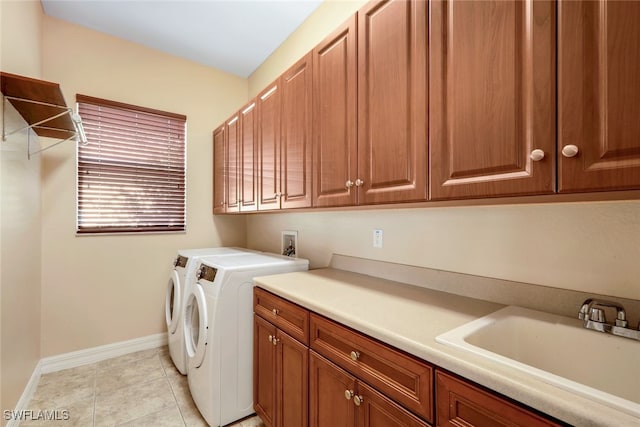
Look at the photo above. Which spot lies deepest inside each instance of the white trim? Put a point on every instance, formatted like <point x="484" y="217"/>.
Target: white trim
<point x="27" y="394"/>
<point x="97" y="354"/>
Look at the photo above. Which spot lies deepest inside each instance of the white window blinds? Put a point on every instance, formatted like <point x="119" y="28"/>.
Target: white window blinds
<point x="131" y="174"/>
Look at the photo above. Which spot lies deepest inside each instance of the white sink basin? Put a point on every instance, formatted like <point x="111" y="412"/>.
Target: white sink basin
<point x="557" y="350"/>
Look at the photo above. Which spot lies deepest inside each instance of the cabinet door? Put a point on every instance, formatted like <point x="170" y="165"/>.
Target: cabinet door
<point x="599" y="89"/>
<point x="295" y="136"/>
<point x="377" y="410"/>
<point x="462" y="404"/>
<point x="264" y="371"/>
<point x="293" y="382"/>
<point x="268" y="110"/>
<point x="392" y="101"/>
<point x="249" y="172"/>
<point x="334" y="118"/>
<point x="232" y="131"/>
<point x="328" y="405"/>
<point x="404" y="378"/>
<point x="219" y="175"/>
<point x="492" y="98"/>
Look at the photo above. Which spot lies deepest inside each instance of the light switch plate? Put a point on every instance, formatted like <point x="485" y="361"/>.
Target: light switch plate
<point x="377" y="238"/>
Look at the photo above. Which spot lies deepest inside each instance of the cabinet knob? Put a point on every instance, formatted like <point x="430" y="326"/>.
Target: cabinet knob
<point x="358" y="400"/>
<point x="275" y="311"/>
<point x="348" y="184"/>
<point x="570" y="150"/>
<point x="355" y="355"/>
<point x="359" y="182"/>
<point x="348" y="394"/>
<point x="537" y="155"/>
<point x="270" y="338"/>
<point x="275" y="341"/>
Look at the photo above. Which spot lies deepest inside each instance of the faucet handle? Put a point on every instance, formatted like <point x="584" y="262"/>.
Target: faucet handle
<point x="621" y="320"/>
<point x="597" y="315"/>
<point x="583" y="314"/>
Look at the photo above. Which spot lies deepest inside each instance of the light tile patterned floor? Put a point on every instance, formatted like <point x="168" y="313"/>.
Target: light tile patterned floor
<point x="135" y="390"/>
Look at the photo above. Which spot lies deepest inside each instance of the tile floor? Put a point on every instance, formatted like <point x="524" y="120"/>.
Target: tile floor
<point x="135" y="390"/>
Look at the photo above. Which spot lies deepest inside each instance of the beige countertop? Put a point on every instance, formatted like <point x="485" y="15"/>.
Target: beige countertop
<point x="410" y="317"/>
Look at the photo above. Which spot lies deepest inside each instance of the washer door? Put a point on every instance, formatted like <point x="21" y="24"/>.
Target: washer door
<point x="172" y="302"/>
<point x="196" y="326"/>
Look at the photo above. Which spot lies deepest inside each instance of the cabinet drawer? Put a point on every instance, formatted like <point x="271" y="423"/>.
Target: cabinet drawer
<point x="289" y="317"/>
<point x="403" y="378"/>
<point x="461" y="403"/>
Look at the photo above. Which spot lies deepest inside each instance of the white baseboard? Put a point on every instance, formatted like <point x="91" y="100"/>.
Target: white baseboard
<point x="97" y="354"/>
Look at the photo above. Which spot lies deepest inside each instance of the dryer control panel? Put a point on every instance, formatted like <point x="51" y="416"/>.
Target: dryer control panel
<point x="180" y="261"/>
<point x="207" y="273"/>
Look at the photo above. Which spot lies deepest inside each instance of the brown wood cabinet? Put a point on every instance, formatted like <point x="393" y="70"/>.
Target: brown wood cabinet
<point x="460" y="403"/>
<point x="349" y="379"/>
<point x="219" y="170"/>
<point x="268" y="110"/>
<point x="380" y="91"/>
<point x="599" y="88"/>
<point x="411" y="100"/>
<point x="334" y="118"/>
<point x="339" y="399"/>
<point x="392" y="102"/>
<point x="295" y="134"/>
<point x="264" y="370"/>
<point x="492" y="100"/>
<point x="402" y="378"/>
<point x="233" y="156"/>
<point x="249" y="166"/>
<point x="280" y="363"/>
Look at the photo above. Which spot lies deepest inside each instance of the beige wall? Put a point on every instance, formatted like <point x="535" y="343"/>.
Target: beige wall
<point x="20" y="47"/>
<point x="593" y="247"/>
<point x="104" y="289"/>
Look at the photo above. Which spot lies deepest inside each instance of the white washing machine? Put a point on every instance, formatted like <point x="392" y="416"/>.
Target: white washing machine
<point x="219" y="332"/>
<point x="181" y="277"/>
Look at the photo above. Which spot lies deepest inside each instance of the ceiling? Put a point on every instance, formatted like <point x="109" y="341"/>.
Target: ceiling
<point x="235" y="36"/>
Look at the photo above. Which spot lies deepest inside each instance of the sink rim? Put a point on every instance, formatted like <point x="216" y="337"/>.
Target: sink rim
<point x="456" y="338"/>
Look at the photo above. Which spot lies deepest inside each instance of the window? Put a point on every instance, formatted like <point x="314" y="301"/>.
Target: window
<point x="131" y="173"/>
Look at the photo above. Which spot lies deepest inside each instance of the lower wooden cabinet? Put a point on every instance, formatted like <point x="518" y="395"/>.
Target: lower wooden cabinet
<point x="460" y="403"/>
<point x="280" y="376"/>
<point x="338" y="399"/>
<point x="347" y="379"/>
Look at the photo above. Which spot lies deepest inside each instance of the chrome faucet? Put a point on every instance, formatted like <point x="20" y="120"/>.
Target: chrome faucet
<point x="592" y="313"/>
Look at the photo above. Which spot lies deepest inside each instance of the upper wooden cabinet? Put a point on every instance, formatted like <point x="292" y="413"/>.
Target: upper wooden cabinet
<point x="413" y="100"/>
<point x="268" y="110"/>
<point x="334" y="112"/>
<point x="370" y="108"/>
<point x="248" y="179"/>
<point x="295" y="134"/>
<point x="219" y="170"/>
<point x="599" y="89"/>
<point x="233" y="156"/>
<point x="392" y="101"/>
<point x="284" y="139"/>
<point x="492" y="98"/>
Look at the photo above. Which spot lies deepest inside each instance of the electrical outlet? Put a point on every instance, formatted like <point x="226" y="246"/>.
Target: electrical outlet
<point x="377" y="238"/>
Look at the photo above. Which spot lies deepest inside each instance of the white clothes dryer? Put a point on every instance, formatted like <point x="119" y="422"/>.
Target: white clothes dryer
<point x="219" y="332"/>
<point x="182" y="275"/>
